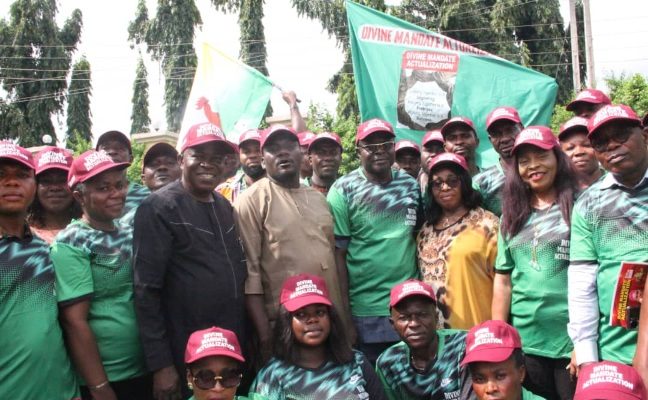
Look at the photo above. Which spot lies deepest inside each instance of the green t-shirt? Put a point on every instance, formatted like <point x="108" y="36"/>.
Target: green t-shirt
<point x="33" y="360"/>
<point x="610" y="225"/>
<point x="443" y="379"/>
<point x="526" y="395"/>
<point x="96" y="265"/>
<point x="376" y="224"/>
<point x="537" y="259"/>
<point x="134" y="197"/>
<point x="490" y="183"/>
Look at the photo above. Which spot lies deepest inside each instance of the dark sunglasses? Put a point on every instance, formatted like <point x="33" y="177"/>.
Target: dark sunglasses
<point x="600" y="142"/>
<point x="375" y="148"/>
<point x="452" y="182"/>
<point x="206" y="379"/>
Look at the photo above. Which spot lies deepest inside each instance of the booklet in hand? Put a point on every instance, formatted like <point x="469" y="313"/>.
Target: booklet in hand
<point x="628" y="292"/>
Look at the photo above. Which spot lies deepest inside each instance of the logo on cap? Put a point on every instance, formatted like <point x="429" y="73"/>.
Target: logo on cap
<point x="377" y="124"/>
<point x="209" y="129"/>
<point x="51" y="157"/>
<point x="501" y="112"/>
<point x="413" y="287"/>
<point x="94" y="159"/>
<point x="304" y="287"/>
<point x="10" y="149"/>
<point x="211" y="340"/>
<point x="608" y="112"/>
<point x="586" y="95"/>
<point x="484" y="336"/>
<point x="530" y="134"/>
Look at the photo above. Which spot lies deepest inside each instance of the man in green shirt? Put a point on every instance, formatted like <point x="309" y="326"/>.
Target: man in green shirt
<point x="33" y="361"/>
<point x="377" y="213"/>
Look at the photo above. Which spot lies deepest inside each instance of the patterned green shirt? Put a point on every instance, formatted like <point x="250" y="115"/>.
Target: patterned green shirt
<point x="134" y="197"/>
<point x="33" y="360"/>
<point x="490" y="183"/>
<point x="96" y="265"/>
<point x="443" y="379"/>
<point x="537" y="259"/>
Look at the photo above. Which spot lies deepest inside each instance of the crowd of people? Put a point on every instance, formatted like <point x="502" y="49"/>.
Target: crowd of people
<point x="253" y="270"/>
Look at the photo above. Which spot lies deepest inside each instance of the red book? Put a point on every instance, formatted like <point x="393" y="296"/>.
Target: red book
<point x="628" y="291"/>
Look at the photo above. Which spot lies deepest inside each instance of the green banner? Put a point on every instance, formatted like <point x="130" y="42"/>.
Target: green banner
<point x="417" y="79"/>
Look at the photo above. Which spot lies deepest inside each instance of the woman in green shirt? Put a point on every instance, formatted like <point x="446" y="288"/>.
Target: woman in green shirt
<point x="530" y="286"/>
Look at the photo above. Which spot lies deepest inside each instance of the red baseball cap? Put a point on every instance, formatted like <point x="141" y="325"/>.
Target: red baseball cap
<point x="502" y="113"/>
<point x="592" y="96"/>
<point x="305" y="138"/>
<point x="574" y="124"/>
<point x="250" y="134"/>
<point x="202" y="133"/>
<point x="302" y="290"/>
<point x="90" y="164"/>
<point x="457" y="121"/>
<point x="609" y="380"/>
<point x="372" y="126"/>
<point x="539" y="136"/>
<point x="411" y="287"/>
<point x="407" y="144"/>
<point x="114" y="135"/>
<point x="447" y="158"/>
<point x="213" y="342"/>
<point x="274" y="130"/>
<point x="611" y="113"/>
<point x="52" y="157"/>
<point x="325" y="136"/>
<point x="491" y="341"/>
<point x="433" y="136"/>
<point x="11" y="151"/>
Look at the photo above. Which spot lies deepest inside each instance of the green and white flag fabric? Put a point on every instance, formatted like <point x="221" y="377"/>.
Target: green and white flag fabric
<point x="416" y="79"/>
<point x="227" y="93"/>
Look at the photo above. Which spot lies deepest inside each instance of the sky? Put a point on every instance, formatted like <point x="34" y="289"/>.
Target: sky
<point x="301" y="56"/>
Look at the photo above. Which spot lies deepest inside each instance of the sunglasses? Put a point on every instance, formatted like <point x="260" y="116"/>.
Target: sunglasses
<point x="600" y="142"/>
<point x="375" y="148"/>
<point x="206" y="379"/>
<point x="452" y="182"/>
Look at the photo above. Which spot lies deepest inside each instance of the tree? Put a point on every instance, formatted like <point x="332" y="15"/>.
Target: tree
<point x="35" y="59"/>
<point x="169" y="40"/>
<point x="78" y="109"/>
<point x="140" y="120"/>
<point x="631" y="91"/>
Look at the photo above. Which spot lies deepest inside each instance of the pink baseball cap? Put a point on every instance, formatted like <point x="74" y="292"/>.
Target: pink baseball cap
<point x="592" y="96"/>
<point x="202" y="133"/>
<point x="273" y="130"/>
<point x="305" y="138"/>
<point x="538" y="136"/>
<point x="433" y="136"/>
<point x="213" y="342"/>
<point x="330" y="136"/>
<point x="411" y="287"/>
<point x="52" y="157"/>
<point x="250" y="134"/>
<point x="407" y="144"/>
<point x="90" y="164"/>
<point x="374" y="125"/>
<point x="611" y="113"/>
<point x="457" y="121"/>
<point x="491" y="341"/>
<point x="502" y="113"/>
<point x="447" y="158"/>
<point x="11" y="151"/>
<point x="573" y="124"/>
<point x="609" y="380"/>
<point x="302" y="290"/>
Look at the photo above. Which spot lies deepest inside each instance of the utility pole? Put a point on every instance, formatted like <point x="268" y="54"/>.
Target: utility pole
<point x="573" y="30"/>
<point x="589" y="47"/>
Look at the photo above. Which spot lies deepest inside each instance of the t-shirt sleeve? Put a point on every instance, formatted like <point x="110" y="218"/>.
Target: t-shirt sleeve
<point x="265" y="386"/>
<point x="581" y="244"/>
<point x="73" y="272"/>
<point x="340" y="211"/>
<point x="374" y="387"/>
<point x="389" y="392"/>
<point x="247" y="215"/>
<point x="504" y="262"/>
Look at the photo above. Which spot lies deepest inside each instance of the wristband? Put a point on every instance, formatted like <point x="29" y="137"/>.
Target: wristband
<point x="99" y="386"/>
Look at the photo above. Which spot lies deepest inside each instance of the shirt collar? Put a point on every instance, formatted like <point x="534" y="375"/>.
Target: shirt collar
<point x="609" y="181"/>
<point x="27" y="234"/>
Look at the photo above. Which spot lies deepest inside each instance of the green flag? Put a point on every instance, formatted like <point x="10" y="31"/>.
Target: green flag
<point x="416" y="79"/>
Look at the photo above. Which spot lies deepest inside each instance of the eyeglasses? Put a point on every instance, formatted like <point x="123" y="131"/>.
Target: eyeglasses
<point x="600" y="142"/>
<point x="375" y="148"/>
<point x="206" y="379"/>
<point x="452" y="182"/>
<point x="508" y="130"/>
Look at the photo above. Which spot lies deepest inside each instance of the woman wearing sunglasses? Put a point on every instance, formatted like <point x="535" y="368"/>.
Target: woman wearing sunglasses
<point x="530" y="287"/>
<point x="313" y="357"/>
<point x="457" y="245"/>
<point x="214" y="364"/>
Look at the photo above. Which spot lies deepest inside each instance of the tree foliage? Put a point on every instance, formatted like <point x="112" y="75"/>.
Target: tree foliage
<point x="169" y="40"/>
<point x="79" y="116"/>
<point x="35" y="60"/>
<point x="140" y="120"/>
<point x="631" y="91"/>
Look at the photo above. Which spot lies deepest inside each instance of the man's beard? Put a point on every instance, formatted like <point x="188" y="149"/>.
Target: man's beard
<point x="255" y="172"/>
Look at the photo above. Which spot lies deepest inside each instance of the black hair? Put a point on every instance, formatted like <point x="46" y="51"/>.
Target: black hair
<point x="36" y="212"/>
<point x="337" y="344"/>
<point x="470" y="197"/>
<point x="516" y="196"/>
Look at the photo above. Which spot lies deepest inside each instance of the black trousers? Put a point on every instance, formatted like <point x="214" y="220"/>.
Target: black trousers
<point x="140" y="388"/>
<point x="548" y="377"/>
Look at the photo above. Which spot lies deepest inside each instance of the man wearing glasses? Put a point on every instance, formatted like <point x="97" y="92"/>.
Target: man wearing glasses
<point x="609" y="226"/>
<point x="377" y="213"/>
<point x="503" y="125"/>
